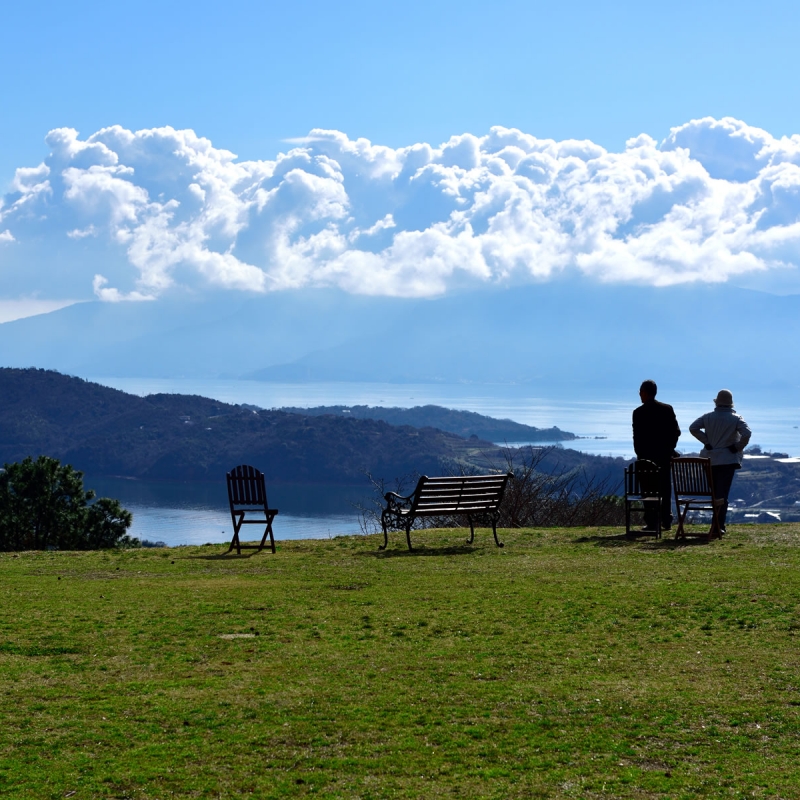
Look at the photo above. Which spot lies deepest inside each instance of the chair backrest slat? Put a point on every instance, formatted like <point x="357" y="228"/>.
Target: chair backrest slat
<point x="246" y="487"/>
<point x="692" y="477"/>
<point x="642" y="479"/>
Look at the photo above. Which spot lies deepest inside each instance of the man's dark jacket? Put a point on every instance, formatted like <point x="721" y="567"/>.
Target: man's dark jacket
<point x="655" y="431"/>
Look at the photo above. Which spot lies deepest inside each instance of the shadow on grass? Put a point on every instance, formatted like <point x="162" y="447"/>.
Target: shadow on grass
<point x="421" y="550"/>
<point x="223" y="556"/>
<point x="650" y="542"/>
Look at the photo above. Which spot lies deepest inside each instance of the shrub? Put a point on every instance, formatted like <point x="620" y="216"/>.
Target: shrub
<point x="43" y="505"/>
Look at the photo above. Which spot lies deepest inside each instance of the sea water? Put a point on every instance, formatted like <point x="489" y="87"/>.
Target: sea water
<point x="184" y="514"/>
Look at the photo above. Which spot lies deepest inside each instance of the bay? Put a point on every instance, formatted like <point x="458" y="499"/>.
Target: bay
<point x="198" y="513"/>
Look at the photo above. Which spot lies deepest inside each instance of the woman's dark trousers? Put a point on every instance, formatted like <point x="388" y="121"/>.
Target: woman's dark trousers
<point x="723" y="478"/>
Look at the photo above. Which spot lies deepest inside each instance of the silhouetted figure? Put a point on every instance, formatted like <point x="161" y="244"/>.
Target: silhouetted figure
<point x="655" y="434"/>
<point x="725" y="435"/>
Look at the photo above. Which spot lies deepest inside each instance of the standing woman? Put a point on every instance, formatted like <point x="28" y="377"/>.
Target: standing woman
<point x="725" y="435"/>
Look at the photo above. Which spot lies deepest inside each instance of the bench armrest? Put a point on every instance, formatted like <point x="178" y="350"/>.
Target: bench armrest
<point x="396" y="501"/>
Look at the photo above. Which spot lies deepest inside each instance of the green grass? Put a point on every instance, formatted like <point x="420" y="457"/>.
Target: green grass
<point x="571" y="663"/>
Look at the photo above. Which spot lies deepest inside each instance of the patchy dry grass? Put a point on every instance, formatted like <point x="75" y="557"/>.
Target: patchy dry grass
<point x="571" y="663"/>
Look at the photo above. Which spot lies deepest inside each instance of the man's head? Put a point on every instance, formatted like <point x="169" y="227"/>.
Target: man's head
<point x="648" y="390"/>
<point x="724" y="398"/>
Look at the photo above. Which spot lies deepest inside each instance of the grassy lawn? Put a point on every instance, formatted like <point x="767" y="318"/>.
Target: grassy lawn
<point x="571" y="663"/>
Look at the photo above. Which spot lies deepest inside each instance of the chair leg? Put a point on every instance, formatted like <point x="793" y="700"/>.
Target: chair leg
<point x="263" y="539"/>
<point x="408" y="535"/>
<point x="680" y="533"/>
<point x="236" y="521"/>
<point x="471" y="530"/>
<point x="267" y="532"/>
<point x="237" y="526"/>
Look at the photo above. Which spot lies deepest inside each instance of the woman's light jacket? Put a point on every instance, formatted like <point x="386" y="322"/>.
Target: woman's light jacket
<point x="718" y="430"/>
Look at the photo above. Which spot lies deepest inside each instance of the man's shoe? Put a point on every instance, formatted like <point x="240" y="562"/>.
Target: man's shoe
<point x="665" y="526"/>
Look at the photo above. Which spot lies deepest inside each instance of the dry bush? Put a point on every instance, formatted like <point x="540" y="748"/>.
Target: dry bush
<point x="533" y="498"/>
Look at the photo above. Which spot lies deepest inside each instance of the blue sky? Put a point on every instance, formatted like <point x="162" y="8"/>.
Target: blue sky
<point x="250" y="76"/>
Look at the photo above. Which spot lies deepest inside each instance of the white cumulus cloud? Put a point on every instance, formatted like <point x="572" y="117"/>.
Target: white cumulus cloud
<point x="162" y="208"/>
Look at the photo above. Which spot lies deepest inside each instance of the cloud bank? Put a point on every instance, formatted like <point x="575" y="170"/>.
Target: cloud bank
<point x="164" y="208"/>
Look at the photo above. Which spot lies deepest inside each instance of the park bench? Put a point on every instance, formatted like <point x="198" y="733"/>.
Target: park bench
<point x="472" y="496"/>
<point x="247" y="496"/>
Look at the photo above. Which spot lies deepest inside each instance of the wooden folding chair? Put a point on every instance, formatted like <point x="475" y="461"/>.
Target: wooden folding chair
<point x="248" y="500"/>
<point x="693" y="485"/>
<point x="642" y="489"/>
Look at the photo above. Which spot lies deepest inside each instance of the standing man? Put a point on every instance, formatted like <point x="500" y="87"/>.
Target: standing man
<point x="725" y="435"/>
<point x="655" y="434"/>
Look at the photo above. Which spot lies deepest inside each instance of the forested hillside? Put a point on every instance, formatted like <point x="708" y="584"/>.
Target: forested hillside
<point x="464" y="423"/>
<point x="103" y="431"/>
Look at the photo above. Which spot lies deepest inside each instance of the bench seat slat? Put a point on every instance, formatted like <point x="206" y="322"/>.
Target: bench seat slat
<point x="461" y="485"/>
<point x="462" y="503"/>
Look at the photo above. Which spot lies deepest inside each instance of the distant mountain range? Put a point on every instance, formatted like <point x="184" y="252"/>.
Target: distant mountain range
<point x="571" y="336"/>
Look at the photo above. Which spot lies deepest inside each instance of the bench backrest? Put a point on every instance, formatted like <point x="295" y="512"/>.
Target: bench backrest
<point x="246" y="487"/>
<point x="692" y="477"/>
<point x="465" y="494"/>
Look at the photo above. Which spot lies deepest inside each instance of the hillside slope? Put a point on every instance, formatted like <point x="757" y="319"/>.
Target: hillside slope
<point x="106" y="432"/>
<point x="463" y="423"/>
<point x="103" y="431"/>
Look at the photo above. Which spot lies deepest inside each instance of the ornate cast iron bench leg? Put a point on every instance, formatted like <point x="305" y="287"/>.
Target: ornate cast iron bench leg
<point x="471" y="530"/>
<point x="408" y="532"/>
<point x="494" y="531"/>
<point x="385" y="533"/>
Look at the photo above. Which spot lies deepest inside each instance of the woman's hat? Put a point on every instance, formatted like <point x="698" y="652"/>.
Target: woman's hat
<point x="724" y="398"/>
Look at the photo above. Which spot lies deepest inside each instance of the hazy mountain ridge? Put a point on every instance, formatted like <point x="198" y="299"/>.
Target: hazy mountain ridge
<point x="565" y="336"/>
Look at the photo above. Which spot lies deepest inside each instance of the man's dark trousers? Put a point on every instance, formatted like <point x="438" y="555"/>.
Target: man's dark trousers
<point x="665" y="490"/>
<point x="655" y="434"/>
